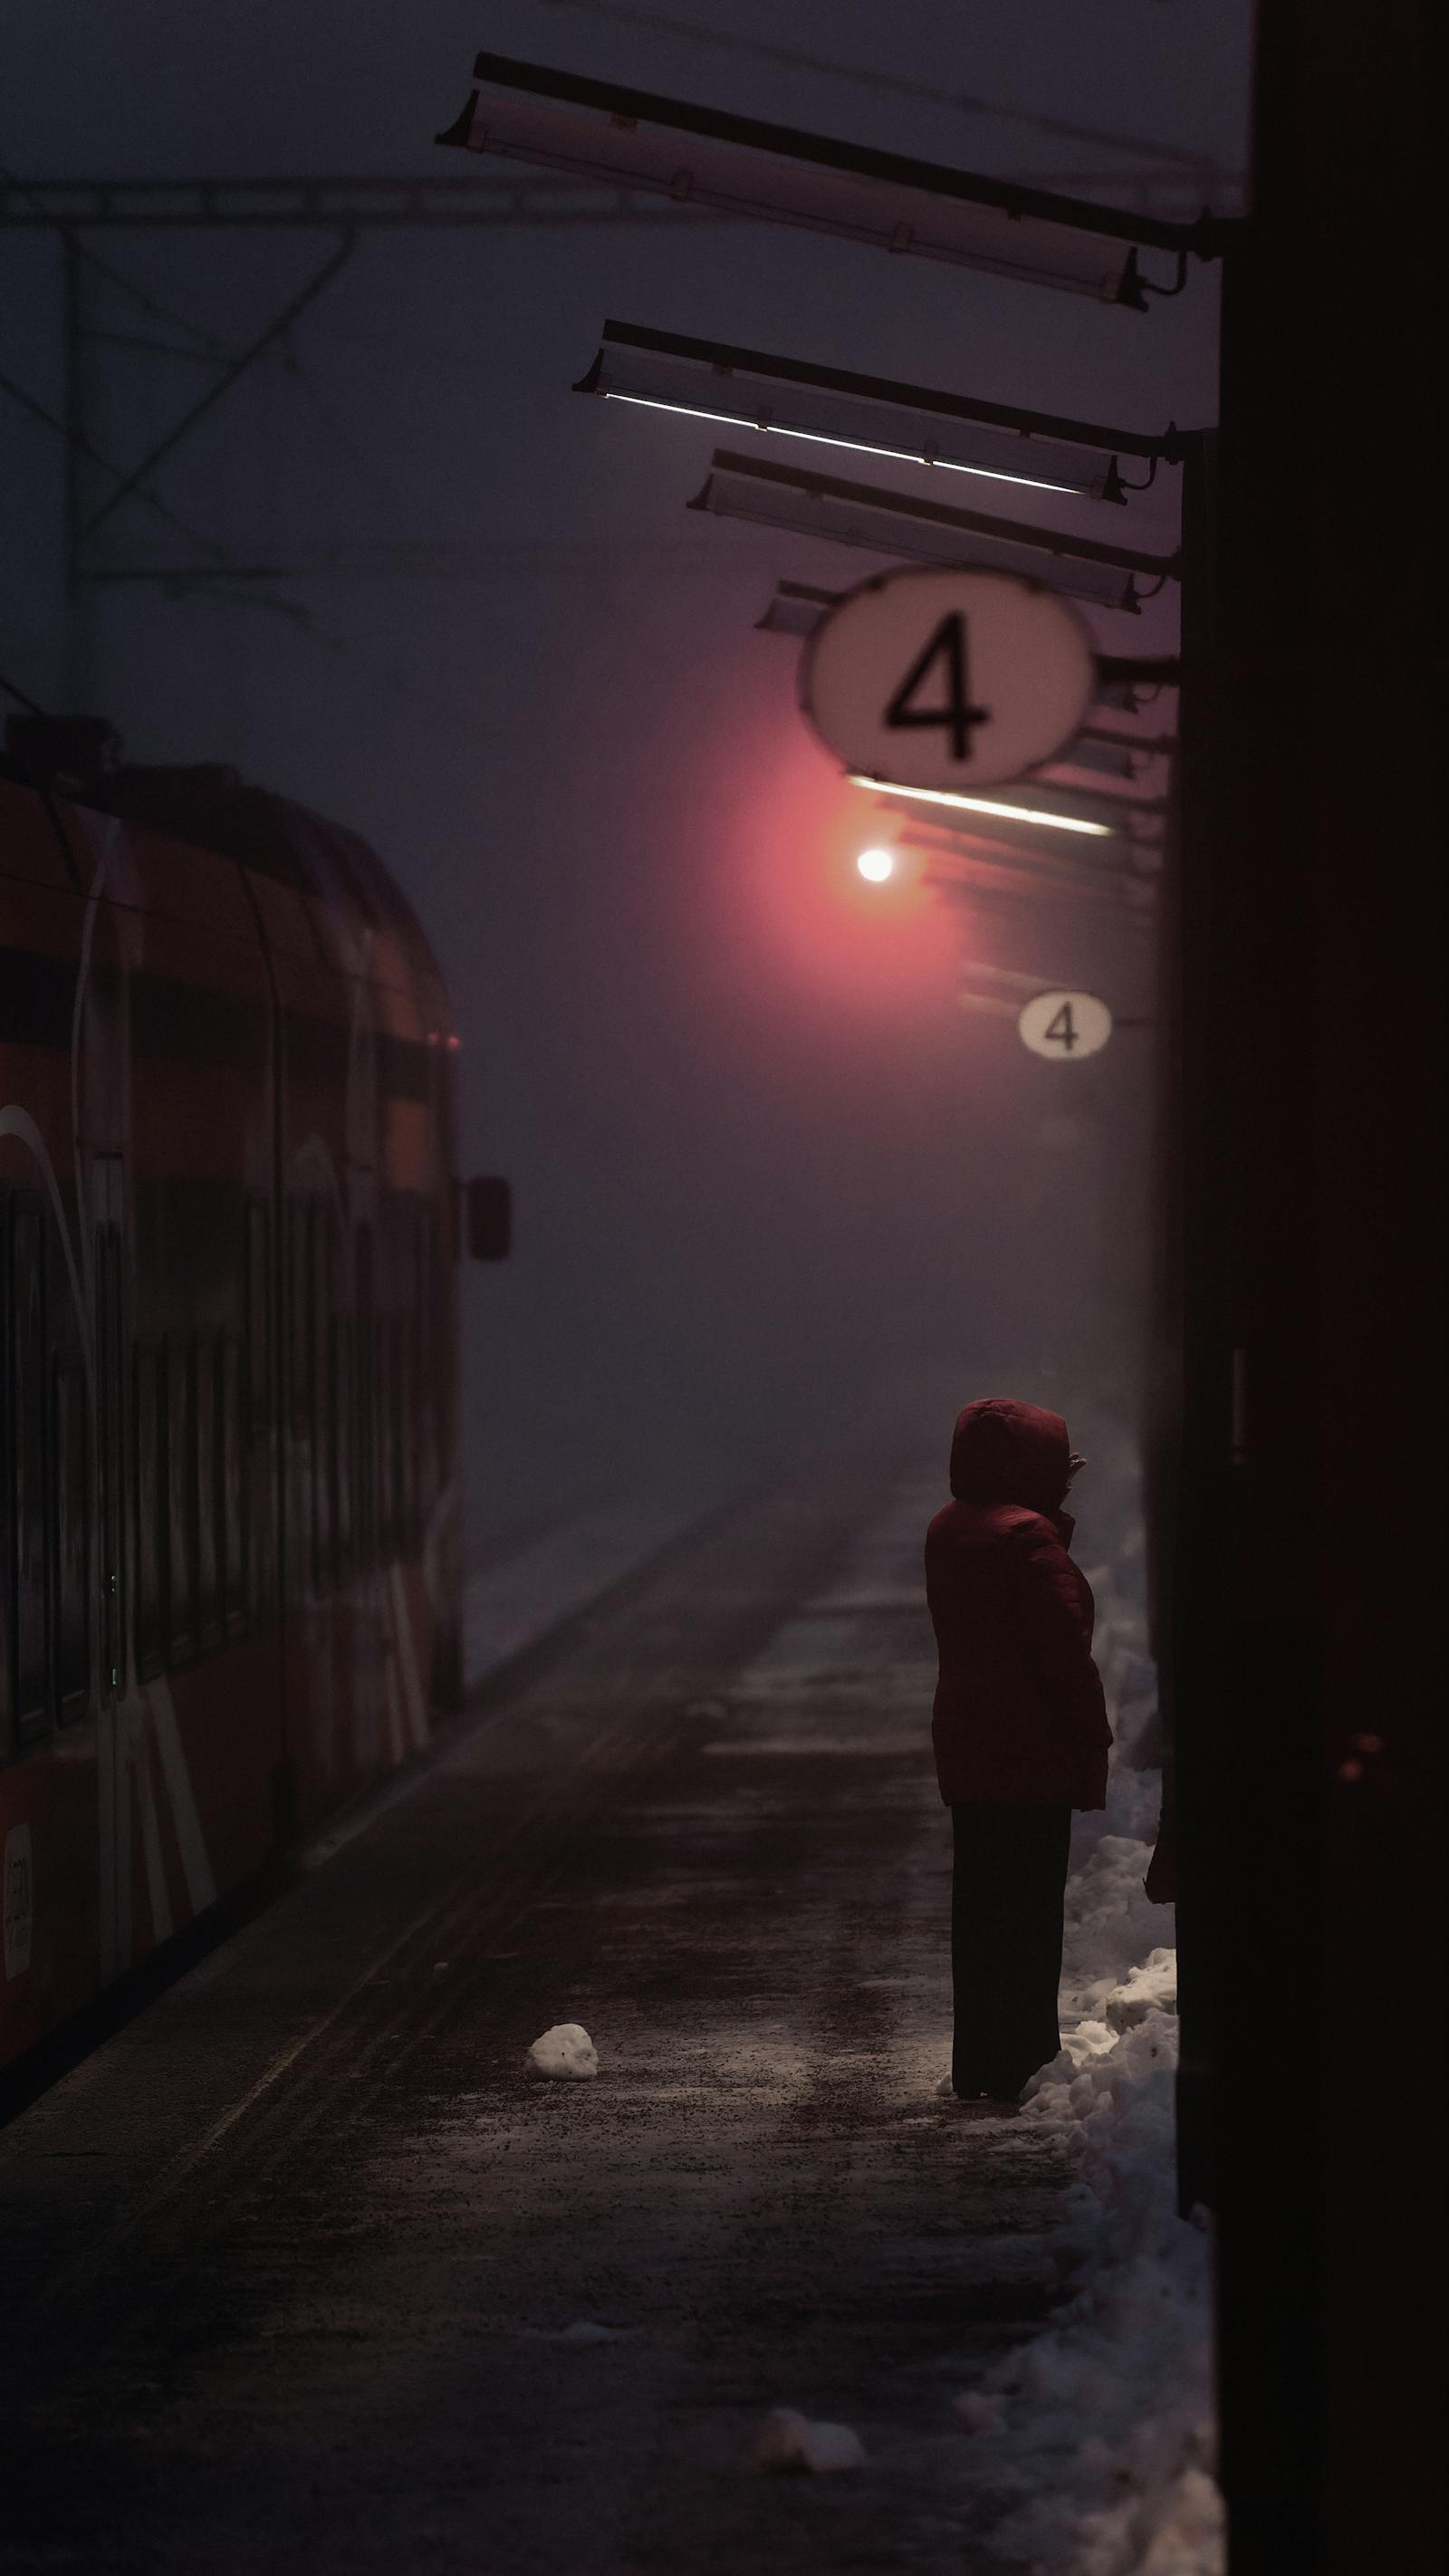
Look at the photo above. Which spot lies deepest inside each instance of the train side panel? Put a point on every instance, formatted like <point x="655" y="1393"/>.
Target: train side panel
<point x="49" y="1745"/>
<point x="228" y="1311"/>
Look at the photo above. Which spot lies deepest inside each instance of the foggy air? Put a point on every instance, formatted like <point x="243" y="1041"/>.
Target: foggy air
<point x="707" y="1147"/>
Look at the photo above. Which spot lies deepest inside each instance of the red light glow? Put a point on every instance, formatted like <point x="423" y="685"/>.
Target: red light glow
<point x="814" y="921"/>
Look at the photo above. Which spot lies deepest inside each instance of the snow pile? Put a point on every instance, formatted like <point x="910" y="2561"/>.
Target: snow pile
<point x="1106" y="2439"/>
<point x="1150" y="1988"/>
<point x="565" y="2050"/>
<point x="1097" y="2436"/>
<point x="789" y="2441"/>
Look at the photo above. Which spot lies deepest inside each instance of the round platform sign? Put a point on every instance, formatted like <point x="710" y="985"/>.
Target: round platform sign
<point x="938" y="678"/>
<point x="1067" y="1026"/>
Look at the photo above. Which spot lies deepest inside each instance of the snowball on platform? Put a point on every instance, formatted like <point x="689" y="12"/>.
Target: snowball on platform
<point x="565" y="2050"/>
<point x="788" y="2441"/>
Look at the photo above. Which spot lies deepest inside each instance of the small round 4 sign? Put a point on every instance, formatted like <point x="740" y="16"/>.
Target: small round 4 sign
<point x="939" y="677"/>
<point x="1066" y="1026"/>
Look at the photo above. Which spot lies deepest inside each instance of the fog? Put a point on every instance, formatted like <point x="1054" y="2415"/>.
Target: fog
<point x="766" y="1165"/>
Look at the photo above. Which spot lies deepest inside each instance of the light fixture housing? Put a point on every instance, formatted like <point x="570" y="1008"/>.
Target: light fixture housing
<point x="1087" y="751"/>
<point x="983" y="846"/>
<point x="1003" y="880"/>
<point x="796" y="608"/>
<point x="905" y="524"/>
<point x="866" y="415"/>
<point x="737" y="165"/>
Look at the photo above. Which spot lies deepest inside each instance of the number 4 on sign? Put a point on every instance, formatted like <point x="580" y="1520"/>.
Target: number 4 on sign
<point x="1064" y="1026"/>
<point x="948" y="647"/>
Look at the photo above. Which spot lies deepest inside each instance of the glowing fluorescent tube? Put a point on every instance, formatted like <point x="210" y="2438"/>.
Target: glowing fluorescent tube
<point x="985" y="805"/>
<point x="854" y="446"/>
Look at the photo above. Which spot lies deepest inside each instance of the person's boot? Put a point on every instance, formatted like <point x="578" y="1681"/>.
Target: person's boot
<point x="1003" y="2104"/>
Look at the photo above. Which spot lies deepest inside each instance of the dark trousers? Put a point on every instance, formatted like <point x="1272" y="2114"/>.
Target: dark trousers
<point x="1006" y="1943"/>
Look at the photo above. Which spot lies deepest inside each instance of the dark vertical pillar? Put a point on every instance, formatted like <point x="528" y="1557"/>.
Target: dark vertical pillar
<point x="1314" y="1545"/>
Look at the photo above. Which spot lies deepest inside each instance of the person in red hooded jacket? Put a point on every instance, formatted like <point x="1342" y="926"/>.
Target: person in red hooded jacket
<point x="1020" y="1731"/>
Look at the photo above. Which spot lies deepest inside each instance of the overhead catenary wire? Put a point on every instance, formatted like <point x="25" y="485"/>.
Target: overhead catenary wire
<point x="275" y="330"/>
<point x="794" y="58"/>
<point x="294" y="613"/>
<point x="29" y="402"/>
<point x="21" y="696"/>
<point x="208" y="344"/>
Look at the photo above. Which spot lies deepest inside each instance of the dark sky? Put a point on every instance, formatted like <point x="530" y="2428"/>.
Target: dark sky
<point x="761" y="1154"/>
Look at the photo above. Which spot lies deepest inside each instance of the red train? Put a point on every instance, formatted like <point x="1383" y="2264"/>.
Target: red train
<point x="230" y="1559"/>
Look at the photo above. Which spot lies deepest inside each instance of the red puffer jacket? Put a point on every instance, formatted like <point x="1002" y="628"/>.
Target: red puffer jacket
<point x="1019" y="1716"/>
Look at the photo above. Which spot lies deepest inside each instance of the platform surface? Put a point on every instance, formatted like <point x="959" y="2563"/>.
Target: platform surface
<point x="304" y="2271"/>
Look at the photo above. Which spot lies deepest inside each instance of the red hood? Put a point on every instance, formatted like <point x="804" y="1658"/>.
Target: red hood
<point x="1005" y="1452"/>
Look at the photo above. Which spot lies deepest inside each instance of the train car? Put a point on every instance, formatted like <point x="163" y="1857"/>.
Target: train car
<point x="230" y="1560"/>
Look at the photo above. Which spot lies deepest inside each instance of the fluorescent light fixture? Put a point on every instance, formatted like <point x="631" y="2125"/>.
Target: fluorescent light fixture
<point x="985" y="805"/>
<point x="1120" y="804"/>
<point x="1016" y="975"/>
<point x="686" y="411"/>
<point x="966" y="844"/>
<point x="1101" y="759"/>
<point x="868" y="415"/>
<point x="1008" y="900"/>
<point x="1141" y="746"/>
<point x="1001" y="880"/>
<point x="1119" y="695"/>
<point x="796" y="608"/>
<point x="737" y="165"/>
<point x="990" y="1005"/>
<point x="924" y="531"/>
<point x="857" y="446"/>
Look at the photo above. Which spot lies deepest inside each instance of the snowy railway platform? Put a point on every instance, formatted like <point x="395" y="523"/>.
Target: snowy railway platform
<point x="306" y="2269"/>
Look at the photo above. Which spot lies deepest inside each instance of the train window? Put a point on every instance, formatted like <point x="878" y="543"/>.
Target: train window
<point x="30" y="1512"/>
<point x="402" y="1429"/>
<point x="380" y="1408"/>
<point x="181" y="1493"/>
<point x="71" y="1509"/>
<point x="232" y="1531"/>
<point x="322" y="1246"/>
<point x="208" y="1588"/>
<point x="365" y="1392"/>
<point x="401" y="1440"/>
<point x="110" y="1483"/>
<point x="259" y="1316"/>
<point x="152" y="1509"/>
<point x="339" y="1462"/>
<point x="427" y="1348"/>
<point x="302" y="1227"/>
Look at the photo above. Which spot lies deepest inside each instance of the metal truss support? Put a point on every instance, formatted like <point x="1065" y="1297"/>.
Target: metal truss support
<point x="274" y="331"/>
<point x="321" y="204"/>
